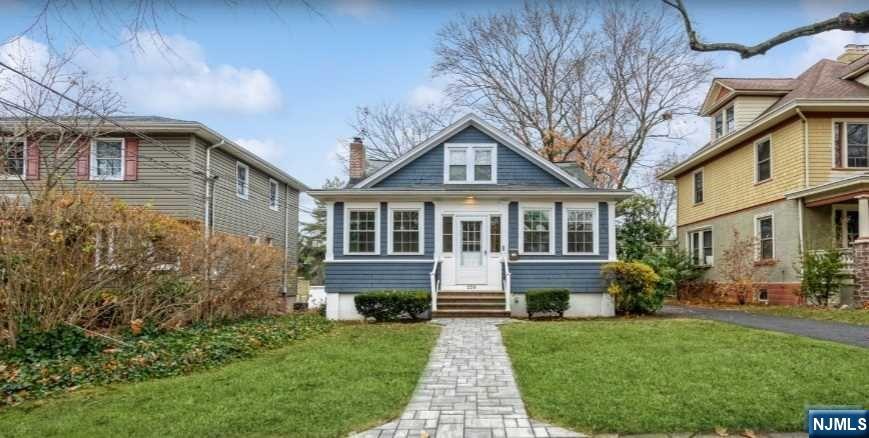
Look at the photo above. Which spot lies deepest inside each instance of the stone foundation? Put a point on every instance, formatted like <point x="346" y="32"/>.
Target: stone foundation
<point x="861" y="272"/>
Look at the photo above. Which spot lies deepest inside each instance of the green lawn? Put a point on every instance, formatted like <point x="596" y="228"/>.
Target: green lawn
<point x="851" y="316"/>
<point x="350" y="379"/>
<point x="676" y="375"/>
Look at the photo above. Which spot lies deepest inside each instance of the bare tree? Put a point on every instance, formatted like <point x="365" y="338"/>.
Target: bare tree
<point x="662" y="192"/>
<point x="572" y="89"/>
<point x="30" y="111"/>
<point x="391" y="129"/>
<point x="851" y="21"/>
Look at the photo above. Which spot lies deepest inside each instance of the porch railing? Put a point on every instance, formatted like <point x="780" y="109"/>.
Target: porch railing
<point x="846" y="255"/>
<point x="435" y="279"/>
<point x="505" y="282"/>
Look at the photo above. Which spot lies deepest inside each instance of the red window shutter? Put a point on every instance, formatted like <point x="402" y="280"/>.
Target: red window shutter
<point x="32" y="150"/>
<point x="83" y="163"/>
<point x="131" y="159"/>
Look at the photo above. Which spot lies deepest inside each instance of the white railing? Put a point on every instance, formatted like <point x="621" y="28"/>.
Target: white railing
<point x="434" y="279"/>
<point x="505" y="283"/>
<point x="846" y="255"/>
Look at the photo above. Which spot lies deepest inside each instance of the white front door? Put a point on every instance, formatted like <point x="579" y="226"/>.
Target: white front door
<point x="472" y="246"/>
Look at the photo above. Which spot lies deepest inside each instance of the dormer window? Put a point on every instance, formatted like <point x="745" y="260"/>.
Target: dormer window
<point x="725" y="122"/>
<point x="470" y="164"/>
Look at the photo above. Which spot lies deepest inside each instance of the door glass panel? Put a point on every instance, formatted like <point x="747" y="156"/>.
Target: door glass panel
<point x="472" y="251"/>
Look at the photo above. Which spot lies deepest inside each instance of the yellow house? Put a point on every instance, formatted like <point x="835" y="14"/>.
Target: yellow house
<point x="787" y="163"/>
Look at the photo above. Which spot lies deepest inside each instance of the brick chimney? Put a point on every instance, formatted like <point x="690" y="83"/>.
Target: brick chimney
<point x="853" y="52"/>
<point x="358" y="163"/>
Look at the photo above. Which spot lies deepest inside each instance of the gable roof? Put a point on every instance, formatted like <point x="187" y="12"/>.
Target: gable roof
<point x="723" y="90"/>
<point x="464" y="122"/>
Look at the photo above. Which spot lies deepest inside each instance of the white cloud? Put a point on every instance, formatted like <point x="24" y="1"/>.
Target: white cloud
<point x="171" y="75"/>
<point x="23" y="54"/>
<point x="829" y="45"/>
<point x="426" y="95"/>
<point x="268" y="149"/>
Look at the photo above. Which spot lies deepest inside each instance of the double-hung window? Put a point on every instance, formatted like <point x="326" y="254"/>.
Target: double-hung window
<point x="361" y="233"/>
<point x="405" y="229"/>
<point x="537" y="235"/>
<point x="763" y="157"/>
<point x="242" y="180"/>
<point x="580" y="229"/>
<point x="107" y="159"/>
<point x="698" y="186"/>
<point x="13" y="160"/>
<point x="763" y="227"/>
<point x="851" y="144"/>
<point x="470" y="163"/>
<point x="274" y="196"/>
<point x="729" y="120"/>
<point x="724" y="122"/>
<point x="700" y="246"/>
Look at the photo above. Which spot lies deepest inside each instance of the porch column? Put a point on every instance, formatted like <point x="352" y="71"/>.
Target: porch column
<point x="861" y="254"/>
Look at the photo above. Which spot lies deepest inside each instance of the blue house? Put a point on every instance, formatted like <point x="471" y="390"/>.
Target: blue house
<point x="476" y="218"/>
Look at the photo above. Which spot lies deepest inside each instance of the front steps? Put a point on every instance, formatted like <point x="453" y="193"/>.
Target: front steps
<point x="471" y="304"/>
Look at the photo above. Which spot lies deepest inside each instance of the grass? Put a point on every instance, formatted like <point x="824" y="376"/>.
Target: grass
<point x="676" y="375"/>
<point x="850" y="316"/>
<point x="350" y="379"/>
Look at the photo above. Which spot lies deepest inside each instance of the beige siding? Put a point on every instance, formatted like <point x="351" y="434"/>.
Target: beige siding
<point x="748" y="108"/>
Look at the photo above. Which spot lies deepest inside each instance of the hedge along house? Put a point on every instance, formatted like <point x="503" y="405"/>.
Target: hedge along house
<point x="476" y="218"/>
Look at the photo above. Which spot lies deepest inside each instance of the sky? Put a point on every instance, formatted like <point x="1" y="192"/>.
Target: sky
<point x="284" y="83"/>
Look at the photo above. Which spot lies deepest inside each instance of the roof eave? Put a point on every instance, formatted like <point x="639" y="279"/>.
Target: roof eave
<point x="326" y="195"/>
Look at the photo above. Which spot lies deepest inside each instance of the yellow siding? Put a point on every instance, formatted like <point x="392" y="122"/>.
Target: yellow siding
<point x="747" y="108"/>
<point x="729" y="179"/>
<point x="820" y="149"/>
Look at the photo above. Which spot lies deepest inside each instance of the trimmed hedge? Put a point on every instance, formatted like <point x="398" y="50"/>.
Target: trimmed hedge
<point x="547" y="301"/>
<point x="393" y="305"/>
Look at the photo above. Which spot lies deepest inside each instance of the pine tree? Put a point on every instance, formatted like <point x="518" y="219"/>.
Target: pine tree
<point x="312" y="249"/>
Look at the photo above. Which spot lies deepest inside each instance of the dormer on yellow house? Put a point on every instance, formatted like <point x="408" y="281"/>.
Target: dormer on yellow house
<point x="787" y="163"/>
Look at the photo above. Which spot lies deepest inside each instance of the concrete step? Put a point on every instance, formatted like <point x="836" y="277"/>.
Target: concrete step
<point x="470" y="305"/>
<point x="471" y="313"/>
<point x="471" y="294"/>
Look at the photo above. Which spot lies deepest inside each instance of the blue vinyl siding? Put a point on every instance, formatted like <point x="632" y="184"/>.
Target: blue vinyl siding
<point x="428" y="169"/>
<point x="364" y="277"/>
<point x="603" y="233"/>
<point x="338" y="233"/>
<point x="577" y="277"/>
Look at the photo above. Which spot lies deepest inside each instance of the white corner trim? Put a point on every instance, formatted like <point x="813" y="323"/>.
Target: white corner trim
<point x="523" y="206"/>
<point x="239" y="165"/>
<point x="585" y="206"/>
<point x="364" y="206"/>
<point x="330" y="230"/>
<point x="470" y="161"/>
<point x="419" y="207"/>
<point x="611" y="238"/>
<point x="93" y="160"/>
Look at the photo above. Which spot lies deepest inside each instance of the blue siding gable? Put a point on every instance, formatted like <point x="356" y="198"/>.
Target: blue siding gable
<point x="427" y="170"/>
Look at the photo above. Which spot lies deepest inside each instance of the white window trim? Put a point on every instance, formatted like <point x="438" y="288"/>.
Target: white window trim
<point x="361" y="206"/>
<point x="585" y="206"/>
<point x="757" y="161"/>
<point x="246" y="195"/>
<point x="470" y="158"/>
<point x="93" y="159"/>
<point x="418" y="207"/>
<point x="521" y="226"/>
<point x="843" y="146"/>
<point x="757" y="219"/>
<point x="723" y="114"/>
<point x="689" y="243"/>
<point x="277" y="186"/>
<point x="694" y="186"/>
<point x="23" y="175"/>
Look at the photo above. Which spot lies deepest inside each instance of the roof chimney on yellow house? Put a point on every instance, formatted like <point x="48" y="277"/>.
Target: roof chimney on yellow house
<point x="853" y="52"/>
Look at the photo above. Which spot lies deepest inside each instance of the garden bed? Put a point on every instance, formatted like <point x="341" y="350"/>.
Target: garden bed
<point x="27" y="373"/>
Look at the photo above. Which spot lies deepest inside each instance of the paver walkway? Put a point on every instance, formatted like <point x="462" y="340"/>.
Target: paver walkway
<point x="830" y="331"/>
<point x="467" y="390"/>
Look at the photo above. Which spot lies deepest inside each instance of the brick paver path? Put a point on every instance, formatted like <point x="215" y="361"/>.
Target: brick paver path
<point x="467" y="390"/>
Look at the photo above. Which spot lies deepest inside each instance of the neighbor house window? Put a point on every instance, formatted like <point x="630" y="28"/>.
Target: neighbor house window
<point x="470" y="163"/>
<point x="107" y="159"/>
<point x="765" y="238"/>
<point x="579" y="230"/>
<point x="406" y="230"/>
<point x="495" y="234"/>
<point x="253" y="240"/>
<point x="447" y="233"/>
<point x="361" y="236"/>
<point x="763" y="155"/>
<point x="857" y="144"/>
<point x="536" y="230"/>
<point x="273" y="195"/>
<point x="13" y="160"/>
<point x="700" y="246"/>
<point x="698" y="186"/>
<point x="242" y="180"/>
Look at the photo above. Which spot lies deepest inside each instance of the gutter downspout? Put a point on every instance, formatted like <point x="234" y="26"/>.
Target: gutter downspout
<point x="805" y="182"/>
<point x="208" y="181"/>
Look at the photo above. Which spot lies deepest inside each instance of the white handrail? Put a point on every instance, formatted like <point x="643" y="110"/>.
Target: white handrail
<point x="506" y="284"/>
<point x="434" y="285"/>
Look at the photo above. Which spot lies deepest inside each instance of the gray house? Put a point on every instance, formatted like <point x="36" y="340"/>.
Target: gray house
<point x="476" y="218"/>
<point x="181" y="168"/>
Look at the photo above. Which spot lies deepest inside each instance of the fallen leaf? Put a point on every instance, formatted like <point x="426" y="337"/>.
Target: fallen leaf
<point x="721" y="431"/>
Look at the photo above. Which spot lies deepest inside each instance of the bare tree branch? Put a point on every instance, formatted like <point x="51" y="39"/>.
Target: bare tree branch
<point x="851" y="21"/>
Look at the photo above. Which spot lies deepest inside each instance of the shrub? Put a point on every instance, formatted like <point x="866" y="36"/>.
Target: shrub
<point x="633" y="286"/>
<point x="547" y="301"/>
<point x="821" y="275"/>
<point x="393" y="305"/>
<point x="699" y="290"/>
<point x="675" y="267"/>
